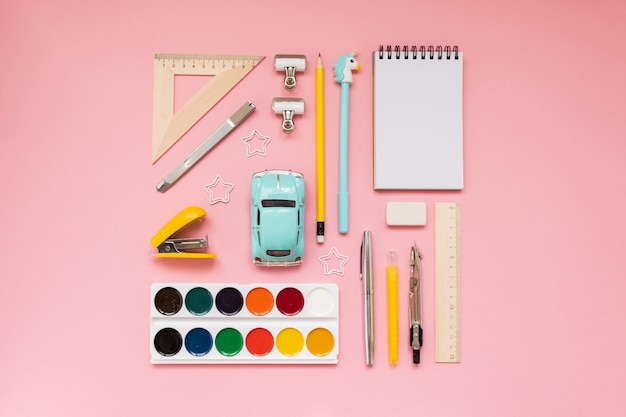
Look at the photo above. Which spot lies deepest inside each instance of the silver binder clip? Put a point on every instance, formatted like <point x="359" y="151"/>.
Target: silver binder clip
<point x="288" y="107"/>
<point x="290" y="64"/>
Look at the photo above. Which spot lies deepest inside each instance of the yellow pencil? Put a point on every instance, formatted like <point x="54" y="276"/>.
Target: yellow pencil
<point x="392" y="307"/>
<point x="319" y="146"/>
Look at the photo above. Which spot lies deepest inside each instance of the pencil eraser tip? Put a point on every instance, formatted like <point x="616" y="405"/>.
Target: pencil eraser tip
<point x="320" y="232"/>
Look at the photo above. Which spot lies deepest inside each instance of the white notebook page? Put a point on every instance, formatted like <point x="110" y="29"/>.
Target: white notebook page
<point x="418" y="122"/>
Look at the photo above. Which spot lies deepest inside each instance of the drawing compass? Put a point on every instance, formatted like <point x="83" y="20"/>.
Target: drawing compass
<point x="415" y="302"/>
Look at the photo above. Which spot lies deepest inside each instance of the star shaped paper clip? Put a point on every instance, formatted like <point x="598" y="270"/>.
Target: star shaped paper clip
<point x="219" y="190"/>
<point x="334" y="262"/>
<point x="256" y="144"/>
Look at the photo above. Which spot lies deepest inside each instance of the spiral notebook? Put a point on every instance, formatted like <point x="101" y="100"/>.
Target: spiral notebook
<point x="418" y="118"/>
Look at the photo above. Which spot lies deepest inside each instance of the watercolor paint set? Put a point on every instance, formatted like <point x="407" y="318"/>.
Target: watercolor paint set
<point x="212" y="323"/>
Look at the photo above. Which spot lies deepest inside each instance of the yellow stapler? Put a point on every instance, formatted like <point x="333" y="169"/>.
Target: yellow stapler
<point x="169" y="247"/>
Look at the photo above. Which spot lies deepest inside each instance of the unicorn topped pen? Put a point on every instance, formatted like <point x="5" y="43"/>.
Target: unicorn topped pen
<point x="343" y="75"/>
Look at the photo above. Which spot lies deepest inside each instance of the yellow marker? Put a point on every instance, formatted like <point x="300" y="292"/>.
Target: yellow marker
<point x="319" y="147"/>
<point x="392" y="307"/>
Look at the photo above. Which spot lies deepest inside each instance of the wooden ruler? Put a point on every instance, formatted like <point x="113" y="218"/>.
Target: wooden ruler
<point x="447" y="282"/>
<point x="226" y="72"/>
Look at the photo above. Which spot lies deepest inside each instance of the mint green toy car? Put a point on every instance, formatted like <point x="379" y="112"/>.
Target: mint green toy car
<point x="277" y="217"/>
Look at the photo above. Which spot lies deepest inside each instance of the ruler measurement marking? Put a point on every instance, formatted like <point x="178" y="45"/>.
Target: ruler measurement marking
<point x="447" y="283"/>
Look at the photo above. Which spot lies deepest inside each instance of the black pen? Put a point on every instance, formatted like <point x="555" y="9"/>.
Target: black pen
<point x="415" y="302"/>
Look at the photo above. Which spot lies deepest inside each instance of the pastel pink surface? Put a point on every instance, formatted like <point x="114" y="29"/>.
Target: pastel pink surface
<point x="542" y="209"/>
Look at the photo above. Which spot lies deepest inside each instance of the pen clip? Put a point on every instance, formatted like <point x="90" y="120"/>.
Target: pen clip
<point x="361" y="262"/>
<point x="368" y="292"/>
<point x="366" y="261"/>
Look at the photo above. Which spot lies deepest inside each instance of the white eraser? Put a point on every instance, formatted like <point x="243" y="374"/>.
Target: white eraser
<point x="406" y="214"/>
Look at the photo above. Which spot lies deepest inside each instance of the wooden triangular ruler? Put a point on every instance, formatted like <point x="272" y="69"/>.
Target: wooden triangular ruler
<point x="168" y="126"/>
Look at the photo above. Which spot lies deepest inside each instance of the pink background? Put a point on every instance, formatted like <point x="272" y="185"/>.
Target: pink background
<point x="543" y="221"/>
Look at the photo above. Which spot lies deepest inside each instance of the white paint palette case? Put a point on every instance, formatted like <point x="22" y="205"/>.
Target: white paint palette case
<point x="214" y="323"/>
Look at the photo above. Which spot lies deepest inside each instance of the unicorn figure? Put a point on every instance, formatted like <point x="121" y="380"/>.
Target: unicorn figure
<point x="344" y="66"/>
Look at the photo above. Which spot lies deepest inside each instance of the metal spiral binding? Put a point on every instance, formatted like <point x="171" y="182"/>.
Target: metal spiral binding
<point x="423" y="52"/>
